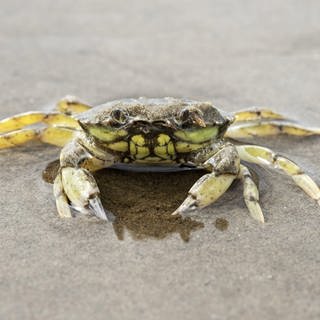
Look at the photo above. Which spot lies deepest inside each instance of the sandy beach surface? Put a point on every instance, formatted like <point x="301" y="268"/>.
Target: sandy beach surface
<point x="219" y="264"/>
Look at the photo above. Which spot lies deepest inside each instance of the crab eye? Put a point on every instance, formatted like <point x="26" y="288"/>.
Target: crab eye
<point x="119" y="116"/>
<point x="190" y="118"/>
<point x="185" y="115"/>
<point x="184" y="118"/>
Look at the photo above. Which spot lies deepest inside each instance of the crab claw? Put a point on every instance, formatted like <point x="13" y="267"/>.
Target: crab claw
<point x="205" y="192"/>
<point x="189" y="204"/>
<point x="97" y="209"/>
<point x="77" y="188"/>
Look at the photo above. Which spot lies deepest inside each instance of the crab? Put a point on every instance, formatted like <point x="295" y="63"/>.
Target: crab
<point x="162" y="132"/>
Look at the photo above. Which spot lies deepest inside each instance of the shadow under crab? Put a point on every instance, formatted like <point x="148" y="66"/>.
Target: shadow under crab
<point x="143" y="201"/>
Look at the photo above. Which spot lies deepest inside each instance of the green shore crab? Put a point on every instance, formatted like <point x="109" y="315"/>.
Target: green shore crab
<point x="156" y="132"/>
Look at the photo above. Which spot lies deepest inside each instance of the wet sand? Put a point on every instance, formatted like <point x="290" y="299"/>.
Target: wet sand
<point x="144" y="201"/>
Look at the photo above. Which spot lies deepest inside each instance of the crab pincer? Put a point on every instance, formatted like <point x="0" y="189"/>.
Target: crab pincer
<point x="82" y="192"/>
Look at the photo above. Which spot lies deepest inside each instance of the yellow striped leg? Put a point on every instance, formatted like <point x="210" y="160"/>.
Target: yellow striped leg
<point x="72" y="105"/>
<point x="23" y="120"/>
<point x="265" y="156"/>
<point x="57" y="136"/>
<point x="251" y="194"/>
<point x="256" y="114"/>
<point x="269" y="128"/>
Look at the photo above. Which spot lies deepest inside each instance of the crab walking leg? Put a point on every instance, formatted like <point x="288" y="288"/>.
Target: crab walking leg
<point x="72" y="105"/>
<point x="269" y="128"/>
<point x="265" y="156"/>
<point x="75" y="187"/>
<point x="224" y="169"/>
<point x="23" y="120"/>
<point x="255" y="114"/>
<point x="57" y="136"/>
<point x="251" y="194"/>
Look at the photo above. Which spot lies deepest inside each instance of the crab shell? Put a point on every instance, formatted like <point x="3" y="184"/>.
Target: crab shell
<point x="154" y="130"/>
